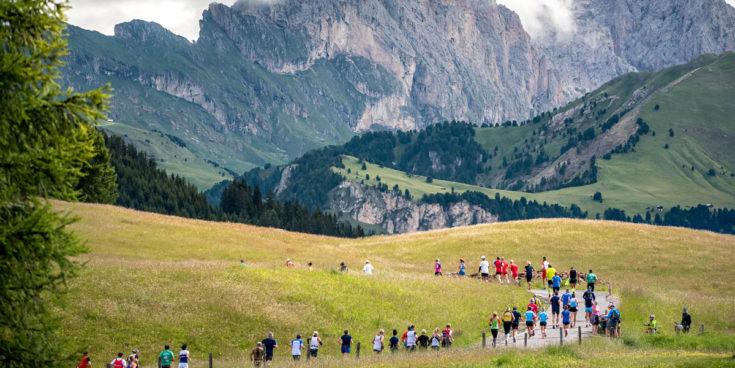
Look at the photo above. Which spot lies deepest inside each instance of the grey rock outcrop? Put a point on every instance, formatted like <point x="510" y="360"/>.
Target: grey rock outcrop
<point x="396" y="214"/>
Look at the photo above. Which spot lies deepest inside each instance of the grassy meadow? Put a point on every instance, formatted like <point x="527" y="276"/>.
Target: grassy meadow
<point x="151" y="279"/>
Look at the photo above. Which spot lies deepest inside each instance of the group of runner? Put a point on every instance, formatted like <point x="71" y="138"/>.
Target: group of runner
<point x="166" y="358"/>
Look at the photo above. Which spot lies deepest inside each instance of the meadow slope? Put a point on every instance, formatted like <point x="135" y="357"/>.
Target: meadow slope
<point x="152" y="279"/>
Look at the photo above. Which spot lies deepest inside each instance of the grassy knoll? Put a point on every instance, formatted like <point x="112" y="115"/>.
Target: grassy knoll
<point x="153" y="279"/>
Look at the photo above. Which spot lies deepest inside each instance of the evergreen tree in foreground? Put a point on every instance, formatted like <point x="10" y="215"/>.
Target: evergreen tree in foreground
<point x="49" y="148"/>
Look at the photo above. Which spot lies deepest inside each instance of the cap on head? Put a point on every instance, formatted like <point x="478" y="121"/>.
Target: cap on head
<point x="653" y="316"/>
<point x="423" y="331"/>
<point x="260" y="343"/>
<point x="366" y="261"/>
<point x="288" y="259"/>
<point x="135" y="350"/>
<point x="483" y="257"/>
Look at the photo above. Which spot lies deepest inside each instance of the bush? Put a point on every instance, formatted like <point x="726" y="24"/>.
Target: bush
<point x="597" y="197"/>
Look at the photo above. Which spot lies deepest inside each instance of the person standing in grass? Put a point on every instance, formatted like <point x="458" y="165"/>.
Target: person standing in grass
<point x="85" y="361"/>
<point x="530" y="321"/>
<point x="652" y="325"/>
<point x="516" y="322"/>
<point x="166" y="356"/>
<point x="484" y="269"/>
<point x="437" y="268"/>
<point x="447" y="336"/>
<point x="542" y="317"/>
<point x="573" y="304"/>
<point x="507" y="323"/>
<point x="436" y="340"/>
<point x="368" y="269"/>
<point x="566" y="320"/>
<point x="613" y="319"/>
<point x="505" y="271"/>
<point x="423" y="340"/>
<point x="269" y="344"/>
<point x="588" y="297"/>
<point x="296" y="346"/>
<point x="591" y="280"/>
<point x="118" y="362"/>
<point x="686" y="320"/>
<point x="514" y="272"/>
<point x="573" y="279"/>
<point x="555" y="302"/>
<point x="498" y="270"/>
<point x="346" y="343"/>
<point x="257" y="354"/>
<point x="394" y="342"/>
<point x="529" y="274"/>
<point x="314" y="342"/>
<point x="494" y="324"/>
<point x="378" y="342"/>
<point x="462" y="268"/>
<point x="184" y="357"/>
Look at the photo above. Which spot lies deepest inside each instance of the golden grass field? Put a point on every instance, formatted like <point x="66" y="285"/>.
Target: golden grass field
<point x="151" y="279"/>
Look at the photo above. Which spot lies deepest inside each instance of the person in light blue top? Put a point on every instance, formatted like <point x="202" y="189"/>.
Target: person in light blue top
<point x="542" y="317"/>
<point x="565" y="320"/>
<point x="565" y="298"/>
<point x="462" y="268"/>
<point x="530" y="321"/>
<point x="556" y="283"/>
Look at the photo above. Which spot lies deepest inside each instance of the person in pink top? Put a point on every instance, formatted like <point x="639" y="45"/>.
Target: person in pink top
<point x="595" y="317"/>
<point x="437" y="268"/>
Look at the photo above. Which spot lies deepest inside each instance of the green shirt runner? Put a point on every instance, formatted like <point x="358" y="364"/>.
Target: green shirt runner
<point x="591" y="278"/>
<point x="166" y="357"/>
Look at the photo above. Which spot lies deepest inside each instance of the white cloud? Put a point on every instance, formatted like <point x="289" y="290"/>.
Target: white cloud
<point x="544" y="17"/>
<point x="179" y="16"/>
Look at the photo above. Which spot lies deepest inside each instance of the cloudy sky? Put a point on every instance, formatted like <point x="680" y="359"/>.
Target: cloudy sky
<point x="182" y="16"/>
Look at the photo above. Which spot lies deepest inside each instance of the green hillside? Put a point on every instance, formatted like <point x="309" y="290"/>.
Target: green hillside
<point x="152" y="279"/>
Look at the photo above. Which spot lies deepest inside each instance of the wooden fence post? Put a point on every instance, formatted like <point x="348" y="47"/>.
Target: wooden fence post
<point x="483" y="339"/>
<point x="210" y="360"/>
<point x="358" y="349"/>
<point x="609" y="289"/>
<point x="525" y="339"/>
<point x="561" y="336"/>
<point x="579" y="331"/>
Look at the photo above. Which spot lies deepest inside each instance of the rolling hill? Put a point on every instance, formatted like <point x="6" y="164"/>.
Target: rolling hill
<point x="151" y="279"/>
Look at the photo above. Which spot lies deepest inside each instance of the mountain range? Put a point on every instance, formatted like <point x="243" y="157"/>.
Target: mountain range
<point x="267" y="82"/>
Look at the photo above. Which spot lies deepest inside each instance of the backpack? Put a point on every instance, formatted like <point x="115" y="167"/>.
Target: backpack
<point x="615" y="315"/>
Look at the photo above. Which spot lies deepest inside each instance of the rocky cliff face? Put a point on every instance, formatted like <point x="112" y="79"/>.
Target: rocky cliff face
<point x="396" y="214"/>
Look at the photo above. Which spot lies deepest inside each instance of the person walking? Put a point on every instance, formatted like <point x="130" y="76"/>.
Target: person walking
<point x="257" y="355"/>
<point x="346" y="344"/>
<point x="269" y="344"/>
<point x="447" y="336"/>
<point x="437" y="268"/>
<point x="378" y="342"/>
<point x="652" y="325"/>
<point x="573" y="279"/>
<point x="166" y="357"/>
<point x="314" y="343"/>
<point x="588" y="297"/>
<point x="494" y="324"/>
<point x="394" y="342"/>
<point x="595" y="317"/>
<point x="507" y="323"/>
<point x="84" y="361"/>
<point x="542" y="317"/>
<point x="118" y="362"/>
<point x="498" y="270"/>
<point x="555" y="302"/>
<point x="591" y="280"/>
<point x="368" y="269"/>
<point x="436" y="340"/>
<point x="296" y="346"/>
<point x="516" y="322"/>
<point x="686" y="320"/>
<point x="133" y="357"/>
<point x="411" y="339"/>
<point x="462" y="268"/>
<point x="565" y="319"/>
<point x="184" y="358"/>
<point x="484" y="269"/>
<point x="530" y="321"/>
<point x="555" y="283"/>
<point x="529" y="274"/>
<point x="514" y="272"/>
<point x="423" y="340"/>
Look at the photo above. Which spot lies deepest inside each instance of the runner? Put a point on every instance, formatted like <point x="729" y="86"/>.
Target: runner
<point x="423" y="340"/>
<point x="555" y="302"/>
<point x="573" y="279"/>
<point x="505" y="271"/>
<point x="462" y="268"/>
<point x="544" y="266"/>
<point x="314" y="342"/>
<point x="289" y="263"/>
<point x="257" y="354"/>
<point x="556" y="283"/>
<point x="588" y="297"/>
<point x="565" y="298"/>
<point x="368" y="269"/>
<point x="394" y="342"/>
<point x="652" y="325"/>
<point x="573" y="309"/>
<point x="565" y="319"/>
<point x="613" y="319"/>
<point x="85" y="361"/>
<point x="342" y="267"/>
<point x="542" y="317"/>
<point x="411" y="339"/>
<point x="346" y="343"/>
<point x="530" y="321"/>
<point x="118" y="362"/>
<point x="166" y="356"/>
<point x="516" y="322"/>
<point x="534" y="307"/>
<point x="269" y="344"/>
<point x="529" y="274"/>
<point x="595" y="316"/>
<point x="550" y="272"/>
<point x="494" y="324"/>
<point x="296" y="346"/>
<point x="447" y="336"/>
<point x="686" y="321"/>
<point x="184" y="358"/>
<point x="436" y="339"/>
<point x="133" y="358"/>
<point x="484" y="269"/>
<point x="498" y="270"/>
<point x="591" y="280"/>
<point x="437" y="268"/>
<point x="514" y="272"/>
<point x="537" y="301"/>
<point x="378" y="342"/>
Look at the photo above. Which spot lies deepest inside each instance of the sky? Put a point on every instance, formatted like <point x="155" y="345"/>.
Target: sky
<point x="182" y="16"/>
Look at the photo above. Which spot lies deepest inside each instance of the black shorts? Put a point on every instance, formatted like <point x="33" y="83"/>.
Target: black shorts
<point x="507" y="326"/>
<point x="515" y="326"/>
<point x="484" y="275"/>
<point x="498" y="273"/>
<point x="297" y="357"/>
<point x="572" y="309"/>
<point x="554" y="311"/>
<point x="269" y="357"/>
<point x="555" y="289"/>
<point x="529" y="324"/>
<point x="572" y="281"/>
<point x="550" y="283"/>
<point x="542" y="324"/>
<point x="313" y="352"/>
<point x="529" y="278"/>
